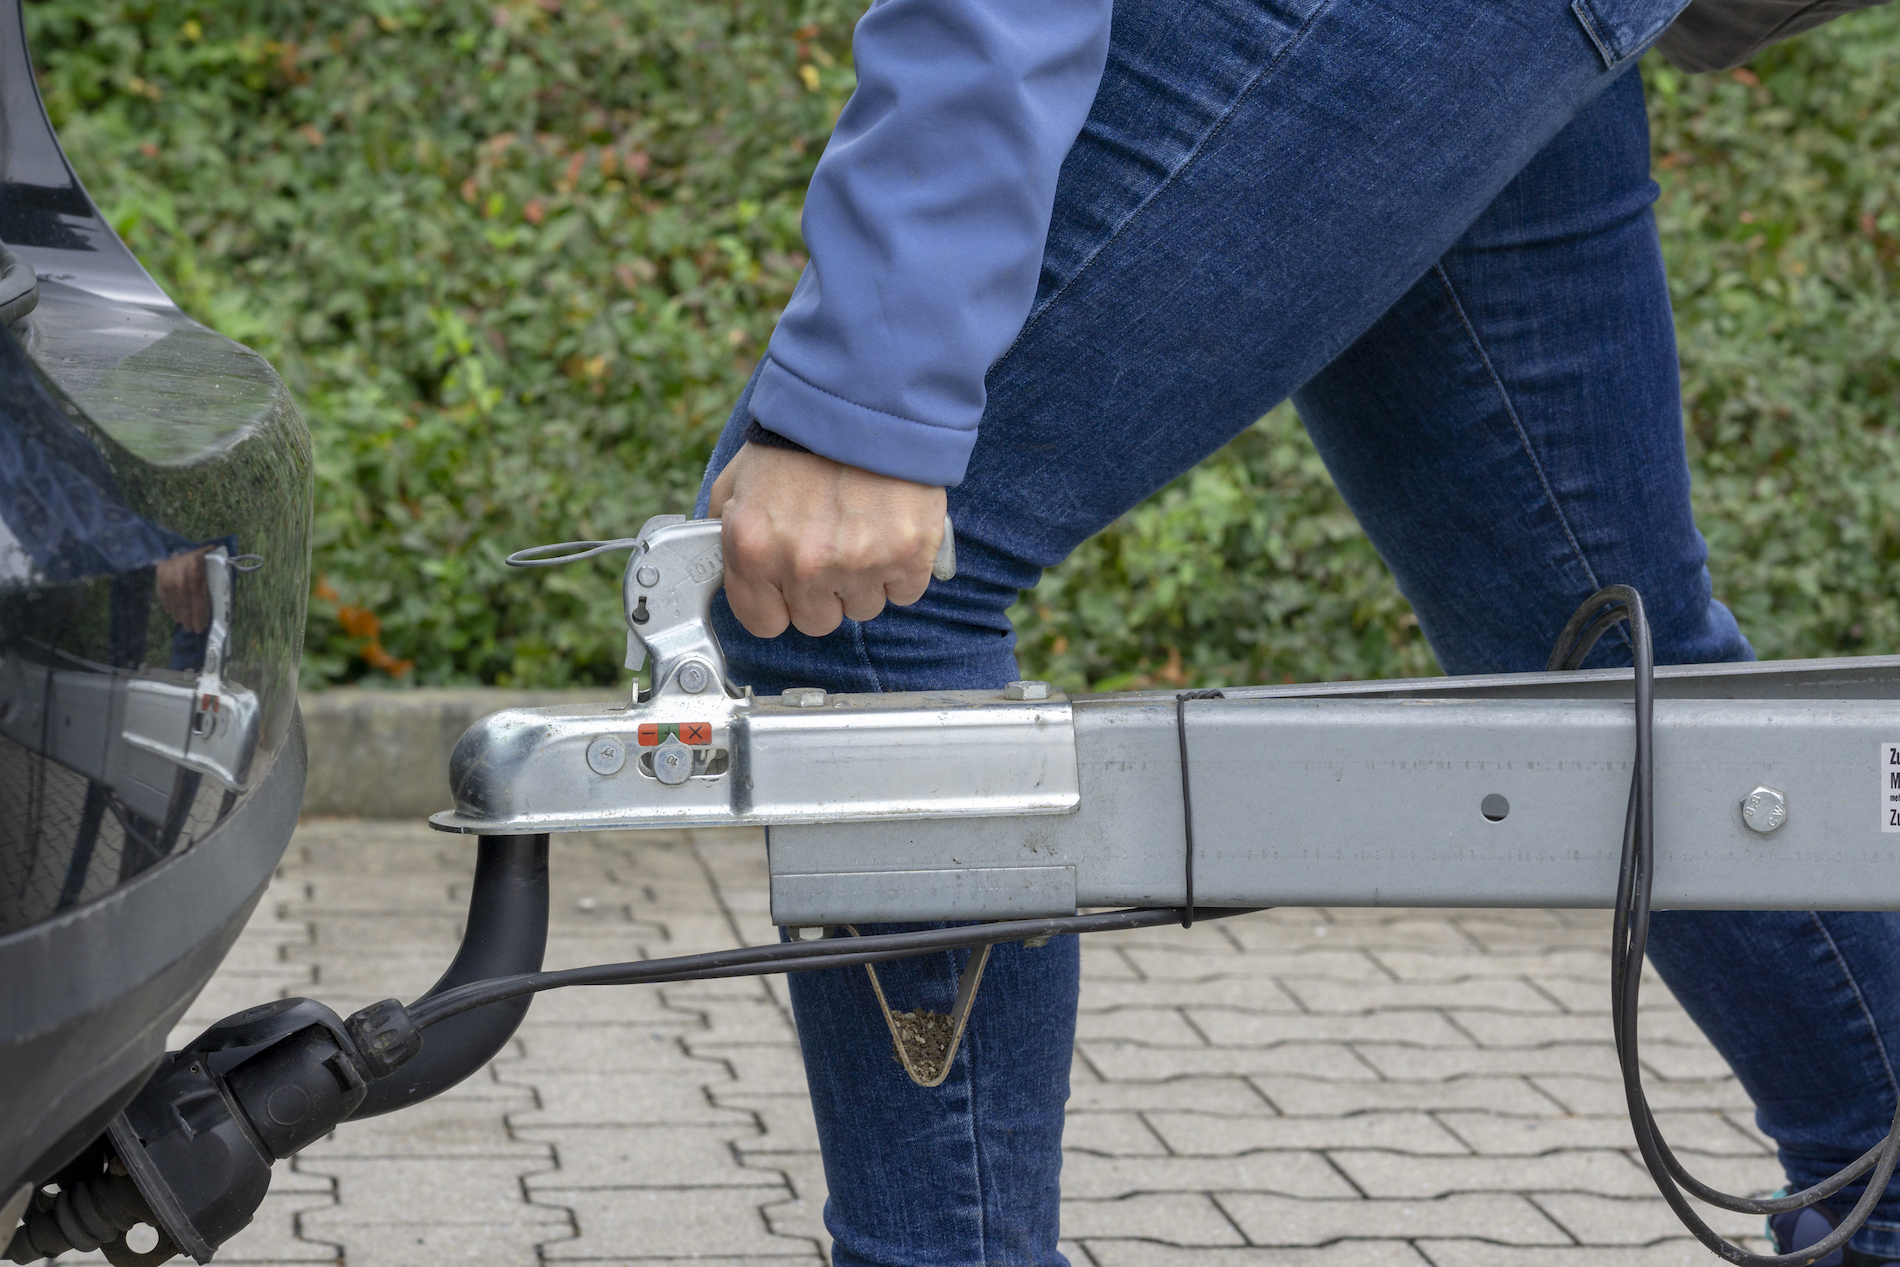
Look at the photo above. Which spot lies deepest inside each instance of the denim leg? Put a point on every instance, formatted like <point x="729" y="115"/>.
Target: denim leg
<point x="1803" y="1004"/>
<point x="1509" y="433"/>
<point x="964" y="1173"/>
<point x="1259" y="181"/>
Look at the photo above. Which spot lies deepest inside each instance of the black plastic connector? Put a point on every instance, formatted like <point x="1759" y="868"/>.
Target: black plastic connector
<point x="192" y="1154"/>
<point x="257" y="1086"/>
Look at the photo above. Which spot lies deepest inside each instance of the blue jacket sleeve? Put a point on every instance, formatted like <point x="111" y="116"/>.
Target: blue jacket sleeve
<point x="925" y="223"/>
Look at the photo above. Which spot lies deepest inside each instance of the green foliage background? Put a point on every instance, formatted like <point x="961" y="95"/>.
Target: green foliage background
<point x="516" y="259"/>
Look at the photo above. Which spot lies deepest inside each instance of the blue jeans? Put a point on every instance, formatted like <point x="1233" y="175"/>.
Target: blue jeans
<point x="1429" y="225"/>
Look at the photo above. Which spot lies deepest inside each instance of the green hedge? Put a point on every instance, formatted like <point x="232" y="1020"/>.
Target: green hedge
<point x="516" y="259"/>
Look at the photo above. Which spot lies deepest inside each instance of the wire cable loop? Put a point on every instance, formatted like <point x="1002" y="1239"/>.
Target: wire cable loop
<point x="1629" y="939"/>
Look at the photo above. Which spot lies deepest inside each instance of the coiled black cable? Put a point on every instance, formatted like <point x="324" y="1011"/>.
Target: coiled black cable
<point x="1629" y="938"/>
<point x="795" y="956"/>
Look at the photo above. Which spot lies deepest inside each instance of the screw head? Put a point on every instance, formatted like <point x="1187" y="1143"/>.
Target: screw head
<point x="672" y="763"/>
<point x="693" y="678"/>
<point x="1026" y="690"/>
<point x="802" y="697"/>
<point x="648" y="576"/>
<point x="1764" y="809"/>
<point x="606" y="755"/>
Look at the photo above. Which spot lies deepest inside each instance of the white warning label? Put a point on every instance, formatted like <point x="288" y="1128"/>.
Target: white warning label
<point x="1890" y="787"/>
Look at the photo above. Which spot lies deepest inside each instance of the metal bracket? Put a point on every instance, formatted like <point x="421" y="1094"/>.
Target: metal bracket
<point x="934" y="1073"/>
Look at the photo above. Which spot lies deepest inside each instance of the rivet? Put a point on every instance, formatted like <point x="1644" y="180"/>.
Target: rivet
<point x="606" y="755"/>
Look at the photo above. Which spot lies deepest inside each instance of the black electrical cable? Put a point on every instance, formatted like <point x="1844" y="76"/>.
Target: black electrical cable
<point x="795" y="956"/>
<point x="1187" y="800"/>
<point x="1629" y="939"/>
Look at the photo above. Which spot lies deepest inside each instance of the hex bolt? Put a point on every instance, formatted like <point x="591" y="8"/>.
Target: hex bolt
<point x="672" y="763"/>
<point x="1764" y="809"/>
<point x="802" y="697"/>
<point x="1026" y="690"/>
<point x="693" y="678"/>
<point x="606" y="755"/>
<point x="648" y="576"/>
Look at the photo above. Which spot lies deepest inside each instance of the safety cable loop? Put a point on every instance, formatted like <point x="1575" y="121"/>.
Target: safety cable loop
<point x="1629" y="940"/>
<point x="575" y="551"/>
<point x="1187" y="797"/>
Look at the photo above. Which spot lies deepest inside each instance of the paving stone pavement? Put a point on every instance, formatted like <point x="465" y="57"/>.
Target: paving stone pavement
<point x="1386" y="1088"/>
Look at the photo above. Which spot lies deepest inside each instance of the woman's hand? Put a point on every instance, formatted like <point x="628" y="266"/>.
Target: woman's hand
<point x="809" y="541"/>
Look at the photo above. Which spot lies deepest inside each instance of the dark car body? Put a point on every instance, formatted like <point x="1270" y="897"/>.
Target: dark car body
<point x="155" y="501"/>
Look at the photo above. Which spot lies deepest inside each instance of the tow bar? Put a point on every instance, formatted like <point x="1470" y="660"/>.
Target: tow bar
<point x="1017" y="808"/>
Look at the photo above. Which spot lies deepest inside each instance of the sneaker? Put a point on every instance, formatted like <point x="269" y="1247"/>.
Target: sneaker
<point x="1802" y="1228"/>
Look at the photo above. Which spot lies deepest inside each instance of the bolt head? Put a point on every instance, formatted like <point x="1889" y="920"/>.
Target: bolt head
<point x="802" y="697"/>
<point x="1026" y="690"/>
<point x="606" y="755"/>
<point x="693" y="678"/>
<point x="672" y="763"/>
<point x="1764" y="809"/>
<point x="648" y="576"/>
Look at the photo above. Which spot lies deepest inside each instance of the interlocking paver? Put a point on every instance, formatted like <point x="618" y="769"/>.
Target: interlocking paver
<point x="1153" y="1026"/>
<point x="619" y="1224"/>
<point x="1461" y="1253"/>
<point x="1327" y="1097"/>
<point x="454" y="1124"/>
<point x="1221" y="1135"/>
<point x="416" y="1244"/>
<point x="1206" y="1095"/>
<point x="1112" y="1135"/>
<point x="1319" y="994"/>
<point x="1135" y="1061"/>
<point x="1304" y="1174"/>
<point x="1499" y="1216"/>
<point x="1497" y="1029"/>
<point x="1234" y="1027"/>
<point x="1292" y="1088"/>
<point x="1604" y="1171"/>
<point x="1173" y="1218"/>
<point x="1605" y="1095"/>
<point x="1495" y="1135"/>
<point x="1116" y="1253"/>
<point x="1160" y="964"/>
<point x="651" y="1157"/>
<point x="1595" y="1220"/>
<point x="1396" y="1061"/>
<point x="1591" y="966"/>
<point x="446" y="1189"/>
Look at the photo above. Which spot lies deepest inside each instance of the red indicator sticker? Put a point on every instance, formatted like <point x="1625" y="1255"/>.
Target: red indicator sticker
<point x="690" y="732"/>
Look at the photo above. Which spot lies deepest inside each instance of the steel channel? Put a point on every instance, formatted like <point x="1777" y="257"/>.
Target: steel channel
<point x="1372" y="794"/>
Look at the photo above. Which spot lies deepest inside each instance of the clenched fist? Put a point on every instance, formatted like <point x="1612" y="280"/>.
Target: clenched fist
<point x="809" y="541"/>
